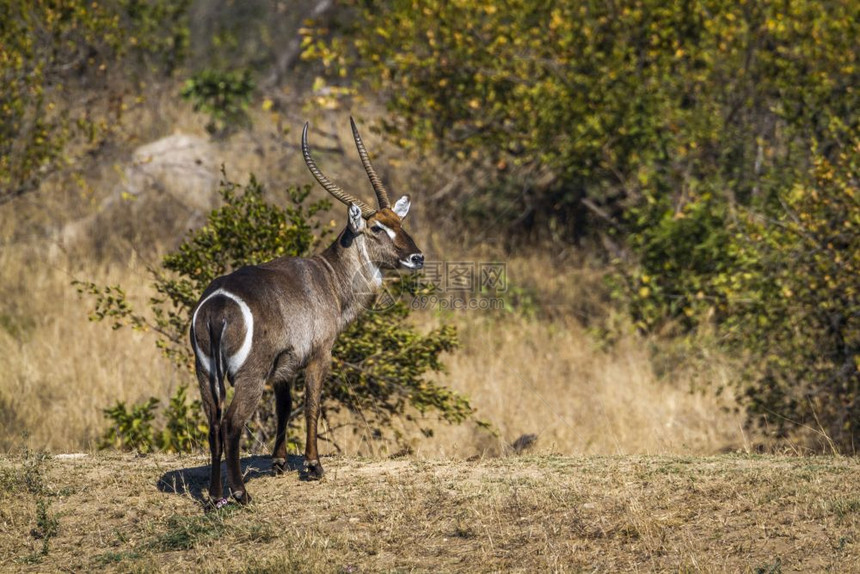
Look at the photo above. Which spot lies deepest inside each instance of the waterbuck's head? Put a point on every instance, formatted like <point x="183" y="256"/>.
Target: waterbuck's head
<point x="380" y="230"/>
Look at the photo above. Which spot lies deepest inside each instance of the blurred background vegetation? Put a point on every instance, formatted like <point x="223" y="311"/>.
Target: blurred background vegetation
<point x="681" y="175"/>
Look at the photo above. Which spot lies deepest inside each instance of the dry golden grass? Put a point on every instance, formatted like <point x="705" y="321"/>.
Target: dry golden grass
<point x="552" y="380"/>
<point x="725" y="513"/>
<point x="524" y="375"/>
<point x="62" y="369"/>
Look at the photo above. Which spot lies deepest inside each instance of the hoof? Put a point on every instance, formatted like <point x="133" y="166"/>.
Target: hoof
<point x="242" y="497"/>
<point x="279" y="466"/>
<point x="214" y="504"/>
<point x="314" y="470"/>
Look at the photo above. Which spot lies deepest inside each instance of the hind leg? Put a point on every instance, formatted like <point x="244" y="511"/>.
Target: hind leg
<point x="216" y="445"/>
<point x="215" y="436"/>
<point x="249" y="389"/>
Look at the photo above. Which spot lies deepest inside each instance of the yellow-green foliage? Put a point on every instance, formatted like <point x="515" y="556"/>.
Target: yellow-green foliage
<point x="780" y="282"/>
<point x="677" y="130"/>
<point x="44" y="46"/>
<point x="59" y="64"/>
<point x="794" y="303"/>
<point x="622" y="103"/>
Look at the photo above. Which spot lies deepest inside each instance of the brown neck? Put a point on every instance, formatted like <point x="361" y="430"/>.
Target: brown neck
<point x="355" y="278"/>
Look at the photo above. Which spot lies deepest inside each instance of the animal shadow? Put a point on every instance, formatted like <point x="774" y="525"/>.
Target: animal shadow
<point x="194" y="481"/>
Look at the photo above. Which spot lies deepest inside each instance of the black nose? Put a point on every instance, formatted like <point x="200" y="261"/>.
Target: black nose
<point x="417" y="259"/>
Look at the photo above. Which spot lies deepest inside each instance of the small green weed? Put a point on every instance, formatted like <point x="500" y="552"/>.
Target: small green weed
<point x="775" y="568"/>
<point x="109" y="558"/>
<point x="47" y="524"/>
<point x="30" y="478"/>
<point x="185" y="532"/>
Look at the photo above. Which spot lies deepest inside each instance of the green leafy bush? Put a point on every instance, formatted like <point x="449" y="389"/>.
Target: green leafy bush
<point x="184" y="426"/>
<point x="793" y="306"/>
<point x="38" y="70"/>
<point x="131" y="428"/>
<point x="779" y="283"/>
<point x="379" y="363"/>
<point x="224" y="96"/>
<point x="681" y="252"/>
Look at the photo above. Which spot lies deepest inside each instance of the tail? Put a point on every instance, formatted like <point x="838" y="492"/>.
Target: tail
<point x="218" y="371"/>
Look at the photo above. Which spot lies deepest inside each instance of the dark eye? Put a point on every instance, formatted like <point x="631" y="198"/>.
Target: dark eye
<point x="376" y="229"/>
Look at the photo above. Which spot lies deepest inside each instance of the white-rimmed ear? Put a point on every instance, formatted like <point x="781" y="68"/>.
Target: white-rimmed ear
<point x="401" y="208"/>
<point x="356" y="221"/>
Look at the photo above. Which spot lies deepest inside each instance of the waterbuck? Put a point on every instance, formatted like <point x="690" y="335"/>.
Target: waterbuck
<point x="262" y="323"/>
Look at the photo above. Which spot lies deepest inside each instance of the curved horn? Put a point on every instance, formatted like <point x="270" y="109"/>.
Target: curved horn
<point x="381" y="193"/>
<point x="332" y="188"/>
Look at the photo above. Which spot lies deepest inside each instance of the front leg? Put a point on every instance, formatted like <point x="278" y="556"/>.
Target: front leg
<point x="315" y="374"/>
<point x="283" y="407"/>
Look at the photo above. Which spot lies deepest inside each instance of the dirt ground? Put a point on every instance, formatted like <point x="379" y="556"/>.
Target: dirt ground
<point x="730" y="513"/>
